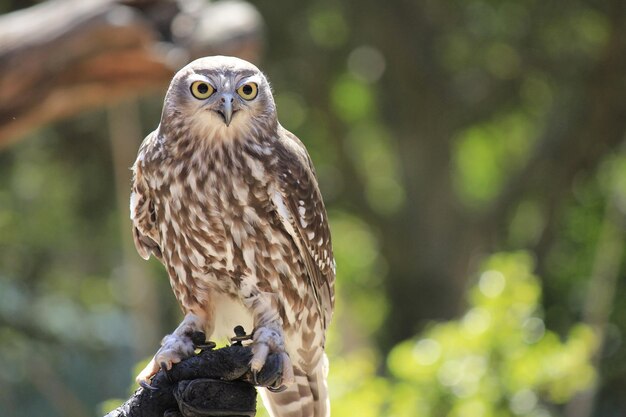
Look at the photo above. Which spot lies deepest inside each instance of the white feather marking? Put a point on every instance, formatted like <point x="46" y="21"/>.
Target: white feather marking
<point x="240" y="190"/>
<point x="283" y="213"/>
<point x="248" y="257"/>
<point x="176" y="228"/>
<point x="229" y="256"/>
<point x="196" y="258"/>
<point x="282" y="267"/>
<point x="256" y="168"/>
<point x="311" y="235"/>
<point x="239" y="234"/>
<point x="191" y="178"/>
<point x="176" y="190"/>
<point x="250" y="216"/>
<point x="134" y="200"/>
<point x="180" y="271"/>
<point x="265" y="150"/>
<point x="278" y="201"/>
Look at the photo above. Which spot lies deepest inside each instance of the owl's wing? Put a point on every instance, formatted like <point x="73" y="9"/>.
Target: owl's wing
<point x="142" y="211"/>
<point x="301" y="209"/>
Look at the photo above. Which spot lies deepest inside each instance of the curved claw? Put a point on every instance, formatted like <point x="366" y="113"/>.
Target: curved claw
<point x="271" y="375"/>
<point x="254" y="377"/>
<point x="166" y="372"/>
<point x="277" y="389"/>
<point x="271" y="360"/>
<point x="145" y="385"/>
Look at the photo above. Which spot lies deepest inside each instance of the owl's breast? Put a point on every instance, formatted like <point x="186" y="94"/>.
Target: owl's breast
<point x="205" y="216"/>
<point x="219" y="231"/>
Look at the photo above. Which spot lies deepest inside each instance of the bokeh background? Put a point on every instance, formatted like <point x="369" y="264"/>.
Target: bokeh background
<point x="471" y="155"/>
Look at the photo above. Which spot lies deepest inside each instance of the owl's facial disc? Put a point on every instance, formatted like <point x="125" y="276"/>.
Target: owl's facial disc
<point x="224" y="100"/>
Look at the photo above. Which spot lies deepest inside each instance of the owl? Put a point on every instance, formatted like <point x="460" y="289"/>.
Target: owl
<point x="227" y="199"/>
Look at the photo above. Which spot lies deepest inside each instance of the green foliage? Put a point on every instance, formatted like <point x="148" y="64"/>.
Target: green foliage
<point x="498" y="359"/>
<point x="361" y="286"/>
<point x="486" y="154"/>
<point x="327" y="26"/>
<point x="352" y="99"/>
<point x="376" y="159"/>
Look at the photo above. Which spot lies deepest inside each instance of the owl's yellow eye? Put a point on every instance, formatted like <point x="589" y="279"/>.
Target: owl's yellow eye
<point x="248" y="91"/>
<point x="202" y="90"/>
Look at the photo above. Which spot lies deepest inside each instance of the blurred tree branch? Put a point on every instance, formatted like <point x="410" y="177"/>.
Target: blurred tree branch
<point x="63" y="56"/>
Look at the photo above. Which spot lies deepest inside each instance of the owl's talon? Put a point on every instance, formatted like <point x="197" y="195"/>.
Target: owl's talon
<point x="273" y="388"/>
<point x="174" y="348"/>
<point x="166" y="372"/>
<point x="269" y="340"/>
<point x="255" y="379"/>
<point x="145" y="385"/>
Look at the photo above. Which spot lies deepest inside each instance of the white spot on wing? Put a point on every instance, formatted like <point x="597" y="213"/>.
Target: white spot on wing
<point x="278" y="201"/>
<point x="265" y="150"/>
<point x="134" y="200"/>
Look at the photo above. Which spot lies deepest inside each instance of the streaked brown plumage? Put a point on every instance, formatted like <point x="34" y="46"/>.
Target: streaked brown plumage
<point x="228" y="201"/>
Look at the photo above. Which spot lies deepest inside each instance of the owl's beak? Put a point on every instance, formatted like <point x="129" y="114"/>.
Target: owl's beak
<point x="226" y="108"/>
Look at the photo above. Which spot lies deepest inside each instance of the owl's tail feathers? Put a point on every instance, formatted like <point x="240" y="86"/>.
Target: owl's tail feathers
<point x="307" y="397"/>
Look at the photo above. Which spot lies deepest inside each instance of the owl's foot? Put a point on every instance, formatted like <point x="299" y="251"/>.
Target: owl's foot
<point x="268" y="340"/>
<point x="174" y="348"/>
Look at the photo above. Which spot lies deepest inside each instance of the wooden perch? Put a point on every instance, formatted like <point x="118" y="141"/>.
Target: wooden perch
<point x="212" y="383"/>
<point x="63" y="56"/>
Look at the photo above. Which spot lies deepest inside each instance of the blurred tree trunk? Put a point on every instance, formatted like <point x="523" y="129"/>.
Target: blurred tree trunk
<point x="434" y="243"/>
<point x="141" y="296"/>
<point x="602" y="286"/>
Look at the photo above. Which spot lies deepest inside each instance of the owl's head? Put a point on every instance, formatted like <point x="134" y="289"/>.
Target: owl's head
<point x="220" y="95"/>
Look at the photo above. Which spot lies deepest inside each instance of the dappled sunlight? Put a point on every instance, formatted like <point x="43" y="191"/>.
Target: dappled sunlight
<point x="498" y="359"/>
